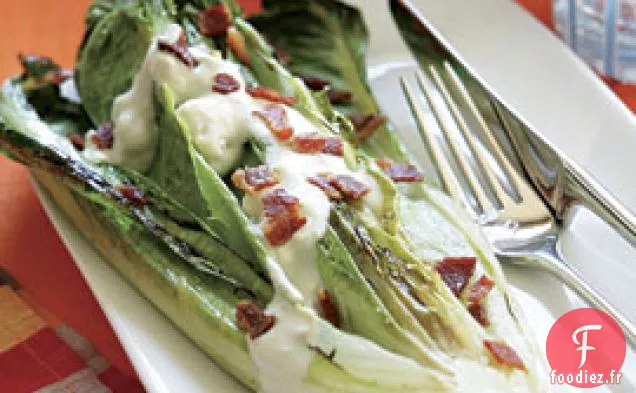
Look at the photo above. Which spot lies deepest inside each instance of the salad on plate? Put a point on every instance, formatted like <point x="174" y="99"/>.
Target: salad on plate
<point x="245" y="183"/>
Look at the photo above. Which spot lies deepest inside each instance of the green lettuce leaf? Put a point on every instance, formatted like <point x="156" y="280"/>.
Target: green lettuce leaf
<point x="328" y="40"/>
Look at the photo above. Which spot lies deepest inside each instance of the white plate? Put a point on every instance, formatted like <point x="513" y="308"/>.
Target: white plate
<point x="534" y="72"/>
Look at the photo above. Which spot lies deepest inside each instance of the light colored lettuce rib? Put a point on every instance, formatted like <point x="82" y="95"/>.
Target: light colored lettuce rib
<point x="362" y="364"/>
<point x="517" y="328"/>
<point x="17" y="115"/>
<point x="361" y="311"/>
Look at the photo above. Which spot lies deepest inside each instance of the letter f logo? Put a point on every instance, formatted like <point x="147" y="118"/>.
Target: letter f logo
<point x="583" y="344"/>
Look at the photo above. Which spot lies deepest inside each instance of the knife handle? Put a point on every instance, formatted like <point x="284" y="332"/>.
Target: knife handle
<point x="584" y="190"/>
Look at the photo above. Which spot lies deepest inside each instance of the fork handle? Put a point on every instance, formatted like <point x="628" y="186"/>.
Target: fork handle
<point x="547" y="257"/>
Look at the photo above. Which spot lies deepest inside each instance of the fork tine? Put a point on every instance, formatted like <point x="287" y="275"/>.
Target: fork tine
<point x="511" y="174"/>
<point x="476" y="188"/>
<point x="443" y="168"/>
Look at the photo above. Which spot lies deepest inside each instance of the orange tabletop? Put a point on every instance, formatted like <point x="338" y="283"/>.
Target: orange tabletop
<point x="30" y="250"/>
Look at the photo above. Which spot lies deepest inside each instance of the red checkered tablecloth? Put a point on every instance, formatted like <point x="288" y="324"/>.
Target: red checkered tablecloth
<point x="39" y="353"/>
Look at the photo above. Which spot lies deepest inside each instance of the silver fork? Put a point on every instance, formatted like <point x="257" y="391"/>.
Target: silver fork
<point x="521" y="228"/>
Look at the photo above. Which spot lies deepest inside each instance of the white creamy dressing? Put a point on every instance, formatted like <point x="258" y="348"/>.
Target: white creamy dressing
<point x="219" y="125"/>
<point x="135" y="134"/>
<point x="281" y="355"/>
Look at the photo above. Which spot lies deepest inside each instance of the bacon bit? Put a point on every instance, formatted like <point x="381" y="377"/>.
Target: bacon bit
<point x="349" y="186"/>
<point x="253" y="320"/>
<point x="339" y="96"/>
<point x="312" y="143"/>
<point x="456" y="272"/>
<point x="329" y="310"/>
<point x="225" y="83"/>
<point x="366" y="125"/>
<point x="275" y="117"/>
<point x="314" y="83"/>
<point x="504" y="355"/>
<point x="180" y="50"/>
<point x="270" y="95"/>
<point x="278" y="230"/>
<point x="278" y="201"/>
<point x="322" y="182"/>
<point x="334" y="146"/>
<point x="283" y="218"/>
<point x="103" y="136"/>
<point x="400" y="172"/>
<point x="480" y="290"/>
<point x="236" y="42"/>
<point x="215" y="20"/>
<point x="318" y="143"/>
<point x="255" y="179"/>
<point x="478" y="311"/>
<point x="132" y="193"/>
<point x="77" y="140"/>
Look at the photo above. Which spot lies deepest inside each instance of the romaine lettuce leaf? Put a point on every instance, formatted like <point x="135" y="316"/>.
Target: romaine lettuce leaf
<point x="328" y="40"/>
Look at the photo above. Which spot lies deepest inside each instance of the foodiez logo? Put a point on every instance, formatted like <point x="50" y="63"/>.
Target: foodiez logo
<point x="586" y="348"/>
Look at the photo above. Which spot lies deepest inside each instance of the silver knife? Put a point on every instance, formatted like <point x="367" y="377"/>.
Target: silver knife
<point x="561" y="182"/>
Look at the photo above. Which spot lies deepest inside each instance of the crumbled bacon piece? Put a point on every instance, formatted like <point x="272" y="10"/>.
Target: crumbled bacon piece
<point x="77" y="140"/>
<point x="480" y="289"/>
<point x="400" y="172"/>
<point x="329" y="309"/>
<point x="456" y="272"/>
<point x="313" y="143"/>
<point x="314" y="83"/>
<point x="215" y="20"/>
<point x="225" y="83"/>
<point x="317" y="143"/>
<point x="366" y="125"/>
<point x="322" y="182"/>
<point x="275" y="117"/>
<point x="180" y="50"/>
<point x="334" y="146"/>
<point x="255" y="179"/>
<point x="270" y="95"/>
<point x="349" y="186"/>
<point x="278" y="230"/>
<point x="478" y="311"/>
<point x="279" y="201"/>
<point x="253" y="320"/>
<point x="132" y="193"/>
<point x="504" y="354"/>
<point x="236" y="42"/>
<point x="282" y="216"/>
<point x="339" y="96"/>
<point x="103" y="136"/>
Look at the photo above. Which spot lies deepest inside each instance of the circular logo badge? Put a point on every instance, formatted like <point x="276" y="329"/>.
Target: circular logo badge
<point x="586" y="348"/>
